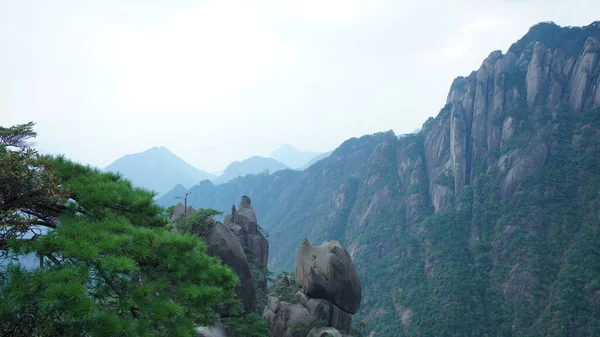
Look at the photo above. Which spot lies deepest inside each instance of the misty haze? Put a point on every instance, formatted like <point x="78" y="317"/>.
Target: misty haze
<point x="300" y="168"/>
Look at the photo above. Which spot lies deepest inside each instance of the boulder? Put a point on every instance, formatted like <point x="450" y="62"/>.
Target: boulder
<point x="243" y="224"/>
<point x="258" y="247"/>
<point x="328" y="312"/>
<point x="283" y="317"/>
<point x="245" y="216"/>
<point x="180" y="210"/>
<point x="327" y="272"/>
<point x="220" y="242"/>
<point x="301" y="298"/>
<point x="324" y="332"/>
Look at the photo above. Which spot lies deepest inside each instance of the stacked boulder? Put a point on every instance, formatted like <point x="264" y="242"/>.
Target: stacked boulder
<point x="330" y="292"/>
<point x="242" y="223"/>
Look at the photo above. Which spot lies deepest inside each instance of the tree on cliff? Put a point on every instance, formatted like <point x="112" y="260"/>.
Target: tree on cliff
<point x="109" y="266"/>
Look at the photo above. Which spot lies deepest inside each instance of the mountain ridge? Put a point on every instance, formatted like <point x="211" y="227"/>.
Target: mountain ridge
<point x="476" y="224"/>
<point x="157" y="169"/>
<point x="292" y="157"/>
<point x="252" y="165"/>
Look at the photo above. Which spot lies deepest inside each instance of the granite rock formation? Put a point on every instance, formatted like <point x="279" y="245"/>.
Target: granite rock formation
<point x="243" y="223"/>
<point x="326" y="272"/>
<point x="330" y="293"/>
<point x="222" y="243"/>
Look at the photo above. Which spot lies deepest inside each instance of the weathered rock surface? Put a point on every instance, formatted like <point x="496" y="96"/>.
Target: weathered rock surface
<point x="179" y="210"/>
<point x="324" y="332"/>
<point x="580" y="82"/>
<point x="329" y="313"/>
<point x="221" y="242"/>
<point x="245" y="216"/>
<point x="327" y="272"/>
<point x="243" y="223"/>
<point x="284" y="317"/>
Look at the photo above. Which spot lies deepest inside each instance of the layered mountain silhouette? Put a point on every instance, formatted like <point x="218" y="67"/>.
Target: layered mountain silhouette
<point x="293" y="158"/>
<point x="315" y="159"/>
<point x="157" y="169"/>
<point x="252" y="165"/>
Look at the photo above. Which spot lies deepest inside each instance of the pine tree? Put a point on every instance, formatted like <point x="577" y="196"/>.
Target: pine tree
<point x="111" y="266"/>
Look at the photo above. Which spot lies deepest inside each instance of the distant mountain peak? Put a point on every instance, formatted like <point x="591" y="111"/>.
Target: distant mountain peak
<point x="252" y="165"/>
<point x="292" y="157"/>
<point x="159" y="149"/>
<point x="286" y="147"/>
<point x="157" y="169"/>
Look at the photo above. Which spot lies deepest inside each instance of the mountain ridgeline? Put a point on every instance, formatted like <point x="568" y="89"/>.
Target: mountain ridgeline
<point x="295" y="159"/>
<point x="486" y="222"/>
<point x="252" y="165"/>
<point x="157" y="169"/>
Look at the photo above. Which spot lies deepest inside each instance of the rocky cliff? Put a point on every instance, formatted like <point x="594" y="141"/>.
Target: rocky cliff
<point x="223" y="243"/>
<point x="484" y="222"/>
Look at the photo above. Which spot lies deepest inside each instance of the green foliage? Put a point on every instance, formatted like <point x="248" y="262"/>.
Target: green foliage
<point x="446" y="179"/>
<point x="284" y="287"/>
<point x="260" y="277"/>
<point x="30" y="194"/>
<point x="359" y="329"/>
<point x="17" y="135"/>
<point x="263" y="232"/>
<point x="250" y="325"/>
<point x="196" y="223"/>
<point x="111" y="267"/>
<point x="569" y="39"/>
<point x="578" y="281"/>
<point x="169" y="210"/>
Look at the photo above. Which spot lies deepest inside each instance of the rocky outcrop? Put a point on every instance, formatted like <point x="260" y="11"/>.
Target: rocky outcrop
<point x="581" y="77"/>
<point x="490" y="107"/>
<point x="520" y="164"/>
<point x="243" y="223"/>
<point x="537" y="72"/>
<point x="222" y="243"/>
<point x="180" y="210"/>
<point x="329" y="313"/>
<point x="245" y="216"/>
<point x="324" y="332"/>
<point x="412" y="176"/>
<point x="330" y="293"/>
<point x="327" y="272"/>
<point x="283" y="317"/>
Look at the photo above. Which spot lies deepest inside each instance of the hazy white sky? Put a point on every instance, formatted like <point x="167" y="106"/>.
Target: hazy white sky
<point x="218" y="81"/>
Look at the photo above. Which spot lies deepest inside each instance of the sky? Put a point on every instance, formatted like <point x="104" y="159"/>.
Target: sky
<point x="220" y="81"/>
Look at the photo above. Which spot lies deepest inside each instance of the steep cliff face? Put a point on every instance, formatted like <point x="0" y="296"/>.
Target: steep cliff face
<point x="473" y="225"/>
<point x="493" y="105"/>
